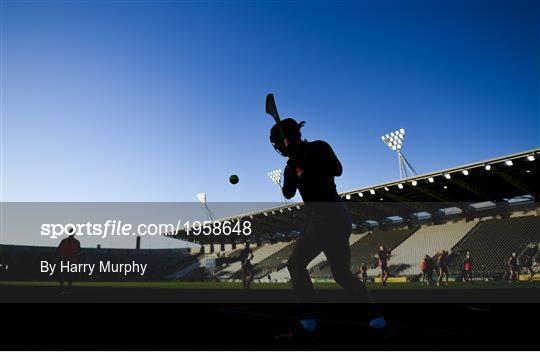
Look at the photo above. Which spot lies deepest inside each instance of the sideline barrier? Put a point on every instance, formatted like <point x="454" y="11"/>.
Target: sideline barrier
<point x="526" y="277"/>
<point x="394" y="280"/>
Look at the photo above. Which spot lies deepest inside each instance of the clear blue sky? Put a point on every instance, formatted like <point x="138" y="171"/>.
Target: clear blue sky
<point x="144" y="101"/>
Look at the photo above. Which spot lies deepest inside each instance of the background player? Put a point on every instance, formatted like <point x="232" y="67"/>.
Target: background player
<point x="513" y="269"/>
<point x="528" y="265"/>
<point x="467" y="268"/>
<point x="442" y="263"/>
<point x="68" y="251"/>
<point x="246" y="254"/>
<point x="383" y="255"/>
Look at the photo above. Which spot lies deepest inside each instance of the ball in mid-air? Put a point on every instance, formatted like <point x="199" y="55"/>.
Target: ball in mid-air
<point x="234" y="179"/>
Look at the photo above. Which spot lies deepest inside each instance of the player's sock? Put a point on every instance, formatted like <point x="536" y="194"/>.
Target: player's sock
<point x="309" y="324"/>
<point x="377" y="323"/>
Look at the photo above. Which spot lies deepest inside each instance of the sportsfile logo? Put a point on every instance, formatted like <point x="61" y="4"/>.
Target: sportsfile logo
<point x="120" y="228"/>
<point x="109" y="228"/>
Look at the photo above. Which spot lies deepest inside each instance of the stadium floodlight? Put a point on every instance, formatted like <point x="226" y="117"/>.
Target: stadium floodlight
<point x="487" y="167"/>
<point x="202" y="198"/>
<point x="465" y="172"/>
<point x="348" y="197"/>
<point x="372" y="191"/>
<point x="431" y="179"/>
<point x="386" y="189"/>
<point x="360" y="194"/>
<point x="508" y="163"/>
<point x="530" y="157"/>
<point x="400" y="186"/>
<point x="447" y="176"/>
<point x="394" y="141"/>
<point x="276" y="176"/>
<point x="414" y="182"/>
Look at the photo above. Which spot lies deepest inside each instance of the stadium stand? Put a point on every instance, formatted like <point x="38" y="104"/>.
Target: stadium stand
<point x="281" y="273"/>
<point x="363" y="250"/>
<point x="274" y="262"/>
<point x="405" y="259"/>
<point x="259" y="255"/>
<point x="493" y="241"/>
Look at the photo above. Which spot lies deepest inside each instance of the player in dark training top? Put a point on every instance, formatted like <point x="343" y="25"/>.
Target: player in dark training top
<point x="246" y="255"/>
<point x="311" y="168"/>
<point x="383" y="256"/>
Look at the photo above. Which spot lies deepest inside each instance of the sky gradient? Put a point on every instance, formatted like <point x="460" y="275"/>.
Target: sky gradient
<point x="140" y="101"/>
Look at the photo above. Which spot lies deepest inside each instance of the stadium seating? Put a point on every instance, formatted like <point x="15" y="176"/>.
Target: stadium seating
<point x="260" y="254"/>
<point x="493" y="241"/>
<point x="275" y="261"/>
<point x="405" y="259"/>
<point x="283" y="275"/>
<point x="364" y="249"/>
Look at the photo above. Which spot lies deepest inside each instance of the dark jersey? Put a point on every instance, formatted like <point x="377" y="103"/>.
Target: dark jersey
<point x="69" y="248"/>
<point x="528" y="262"/>
<point x="384" y="256"/>
<point x="430" y="264"/>
<point x="320" y="166"/>
<point x="244" y="254"/>
<point x="441" y="260"/>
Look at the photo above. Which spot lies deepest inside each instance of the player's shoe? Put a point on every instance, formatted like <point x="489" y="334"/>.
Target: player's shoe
<point x="310" y="325"/>
<point x="381" y="328"/>
<point x="377" y="323"/>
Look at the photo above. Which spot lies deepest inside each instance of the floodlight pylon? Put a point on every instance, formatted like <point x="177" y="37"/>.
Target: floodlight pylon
<point x="394" y="141"/>
<point x="202" y="198"/>
<point x="276" y="176"/>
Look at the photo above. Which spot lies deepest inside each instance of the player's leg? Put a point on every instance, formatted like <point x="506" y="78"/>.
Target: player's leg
<point x="338" y="254"/>
<point x="251" y="276"/>
<point x="306" y="248"/>
<point x="304" y="251"/>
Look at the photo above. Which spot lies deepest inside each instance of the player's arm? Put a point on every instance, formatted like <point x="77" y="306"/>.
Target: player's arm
<point x="290" y="183"/>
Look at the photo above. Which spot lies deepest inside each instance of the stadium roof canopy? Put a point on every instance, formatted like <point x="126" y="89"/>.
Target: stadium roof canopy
<point x="493" y="181"/>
